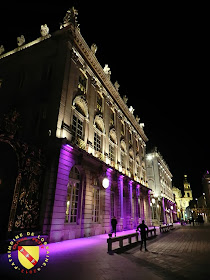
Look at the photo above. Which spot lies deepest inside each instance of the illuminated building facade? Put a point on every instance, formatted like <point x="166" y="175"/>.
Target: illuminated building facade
<point x="183" y="201"/>
<point x="80" y="151"/>
<point x="159" y="177"/>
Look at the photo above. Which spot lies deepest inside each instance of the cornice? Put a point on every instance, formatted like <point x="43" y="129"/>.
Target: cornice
<point x="97" y="68"/>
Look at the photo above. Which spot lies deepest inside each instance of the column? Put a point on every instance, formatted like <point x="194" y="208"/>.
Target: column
<point x="149" y="209"/>
<point x="138" y="218"/>
<point x="120" y="186"/>
<point x="107" y="206"/>
<point x="130" y="202"/>
<point x="164" y="211"/>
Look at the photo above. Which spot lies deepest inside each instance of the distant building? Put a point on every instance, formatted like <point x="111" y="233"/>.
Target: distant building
<point x="182" y="202"/>
<point x="160" y="181"/>
<point x="72" y="151"/>
<point x="206" y="187"/>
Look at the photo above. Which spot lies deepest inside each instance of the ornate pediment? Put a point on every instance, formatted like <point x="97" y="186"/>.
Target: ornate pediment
<point x="81" y="105"/>
<point x="99" y="123"/>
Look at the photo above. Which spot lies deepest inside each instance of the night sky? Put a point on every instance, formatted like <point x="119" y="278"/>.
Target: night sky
<point x="159" y="56"/>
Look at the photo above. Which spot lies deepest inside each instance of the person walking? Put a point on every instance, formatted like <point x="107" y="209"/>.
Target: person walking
<point x="144" y="233"/>
<point x="114" y="224"/>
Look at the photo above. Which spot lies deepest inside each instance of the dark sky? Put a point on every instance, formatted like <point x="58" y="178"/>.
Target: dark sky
<point x="160" y="57"/>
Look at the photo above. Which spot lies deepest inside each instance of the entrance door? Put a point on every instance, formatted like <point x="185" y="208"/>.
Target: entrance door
<point x="8" y="175"/>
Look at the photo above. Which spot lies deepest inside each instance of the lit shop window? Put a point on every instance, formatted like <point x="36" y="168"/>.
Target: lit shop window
<point x="72" y="196"/>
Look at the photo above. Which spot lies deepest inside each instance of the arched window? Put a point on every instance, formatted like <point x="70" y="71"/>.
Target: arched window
<point x="72" y="196"/>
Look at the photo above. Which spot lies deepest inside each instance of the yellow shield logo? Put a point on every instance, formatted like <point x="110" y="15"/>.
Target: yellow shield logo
<point x="28" y="256"/>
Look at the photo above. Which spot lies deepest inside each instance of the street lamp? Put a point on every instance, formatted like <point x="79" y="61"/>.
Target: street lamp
<point x="105" y="183"/>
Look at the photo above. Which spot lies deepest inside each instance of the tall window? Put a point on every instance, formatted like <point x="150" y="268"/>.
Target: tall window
<point x="111" y="152"/>
<point x="111" y="117"/>
<point x="95" y="205"/>
<point x="131" y="166"/>
<point x="97" y="142"/>
<point x="82" y="84"/>
<point x="122" y="129"/>
<point x="154" y="211"/>
<point x="123" y="157"/>
<point x="77" y="127"/>
<point x="99" y="103"/>
<point x="72" y="196"/>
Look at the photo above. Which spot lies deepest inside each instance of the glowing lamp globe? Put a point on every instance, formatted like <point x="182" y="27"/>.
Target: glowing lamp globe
<point x="105" y="183"/>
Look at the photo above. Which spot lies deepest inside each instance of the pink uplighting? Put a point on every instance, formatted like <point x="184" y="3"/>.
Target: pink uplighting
<point x="68" y="146"/>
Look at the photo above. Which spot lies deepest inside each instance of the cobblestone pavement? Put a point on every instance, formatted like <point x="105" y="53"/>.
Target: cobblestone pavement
<point x="181" y="254"/>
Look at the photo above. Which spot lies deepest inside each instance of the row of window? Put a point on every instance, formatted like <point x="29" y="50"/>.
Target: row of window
<point x="72" y="200"/>
<point x="82" y="89"/>
<point x="77" y="131"/>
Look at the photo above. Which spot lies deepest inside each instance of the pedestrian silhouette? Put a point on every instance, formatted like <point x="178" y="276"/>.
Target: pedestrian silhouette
<point x="114" y="224"/>
<point x="144" y="234"/>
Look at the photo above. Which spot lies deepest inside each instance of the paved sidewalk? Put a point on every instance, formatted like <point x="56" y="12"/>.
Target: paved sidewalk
<point x="83" y="258"/>
<point x="183" y="254"/>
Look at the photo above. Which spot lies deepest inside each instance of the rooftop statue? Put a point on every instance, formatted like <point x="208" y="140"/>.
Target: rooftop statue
<point x="2" y="49"/>
<point x="137" y="119"/>
<point x="44" y="30"/>
<point x="125" y="99"/>
<point x="116" y="85"/>
<point x="107" y="70"/>
<point x="94" y="48"/>
<point x="71" y="17"/>
<point x="142" y="125"/>
<point x="21" y="40"/>
<point x="131" y="109"/>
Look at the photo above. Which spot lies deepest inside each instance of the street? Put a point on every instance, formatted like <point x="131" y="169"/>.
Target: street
<point x="182" y="253"/>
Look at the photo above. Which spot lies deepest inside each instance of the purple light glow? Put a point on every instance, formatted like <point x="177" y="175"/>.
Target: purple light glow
<point x="68" y="146"/>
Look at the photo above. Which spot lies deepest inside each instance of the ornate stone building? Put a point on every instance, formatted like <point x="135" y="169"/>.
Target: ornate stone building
<point x="183" y="201"/>
<point x="160" y="182"/>
<point x="79" y="151"/>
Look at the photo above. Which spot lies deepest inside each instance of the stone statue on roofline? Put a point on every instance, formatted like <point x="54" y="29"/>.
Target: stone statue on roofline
<point x="70" y="18"/>
<point x="117" y="85"/>
<point x="21" y="41"/>
<point x="137" y="119"/>
<point x="107" y="70"/>
<point x="44" y="30"/>
<point x="94" y="48"/>
<point x="125" y="99"/>
<point x="2" y="50"/>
